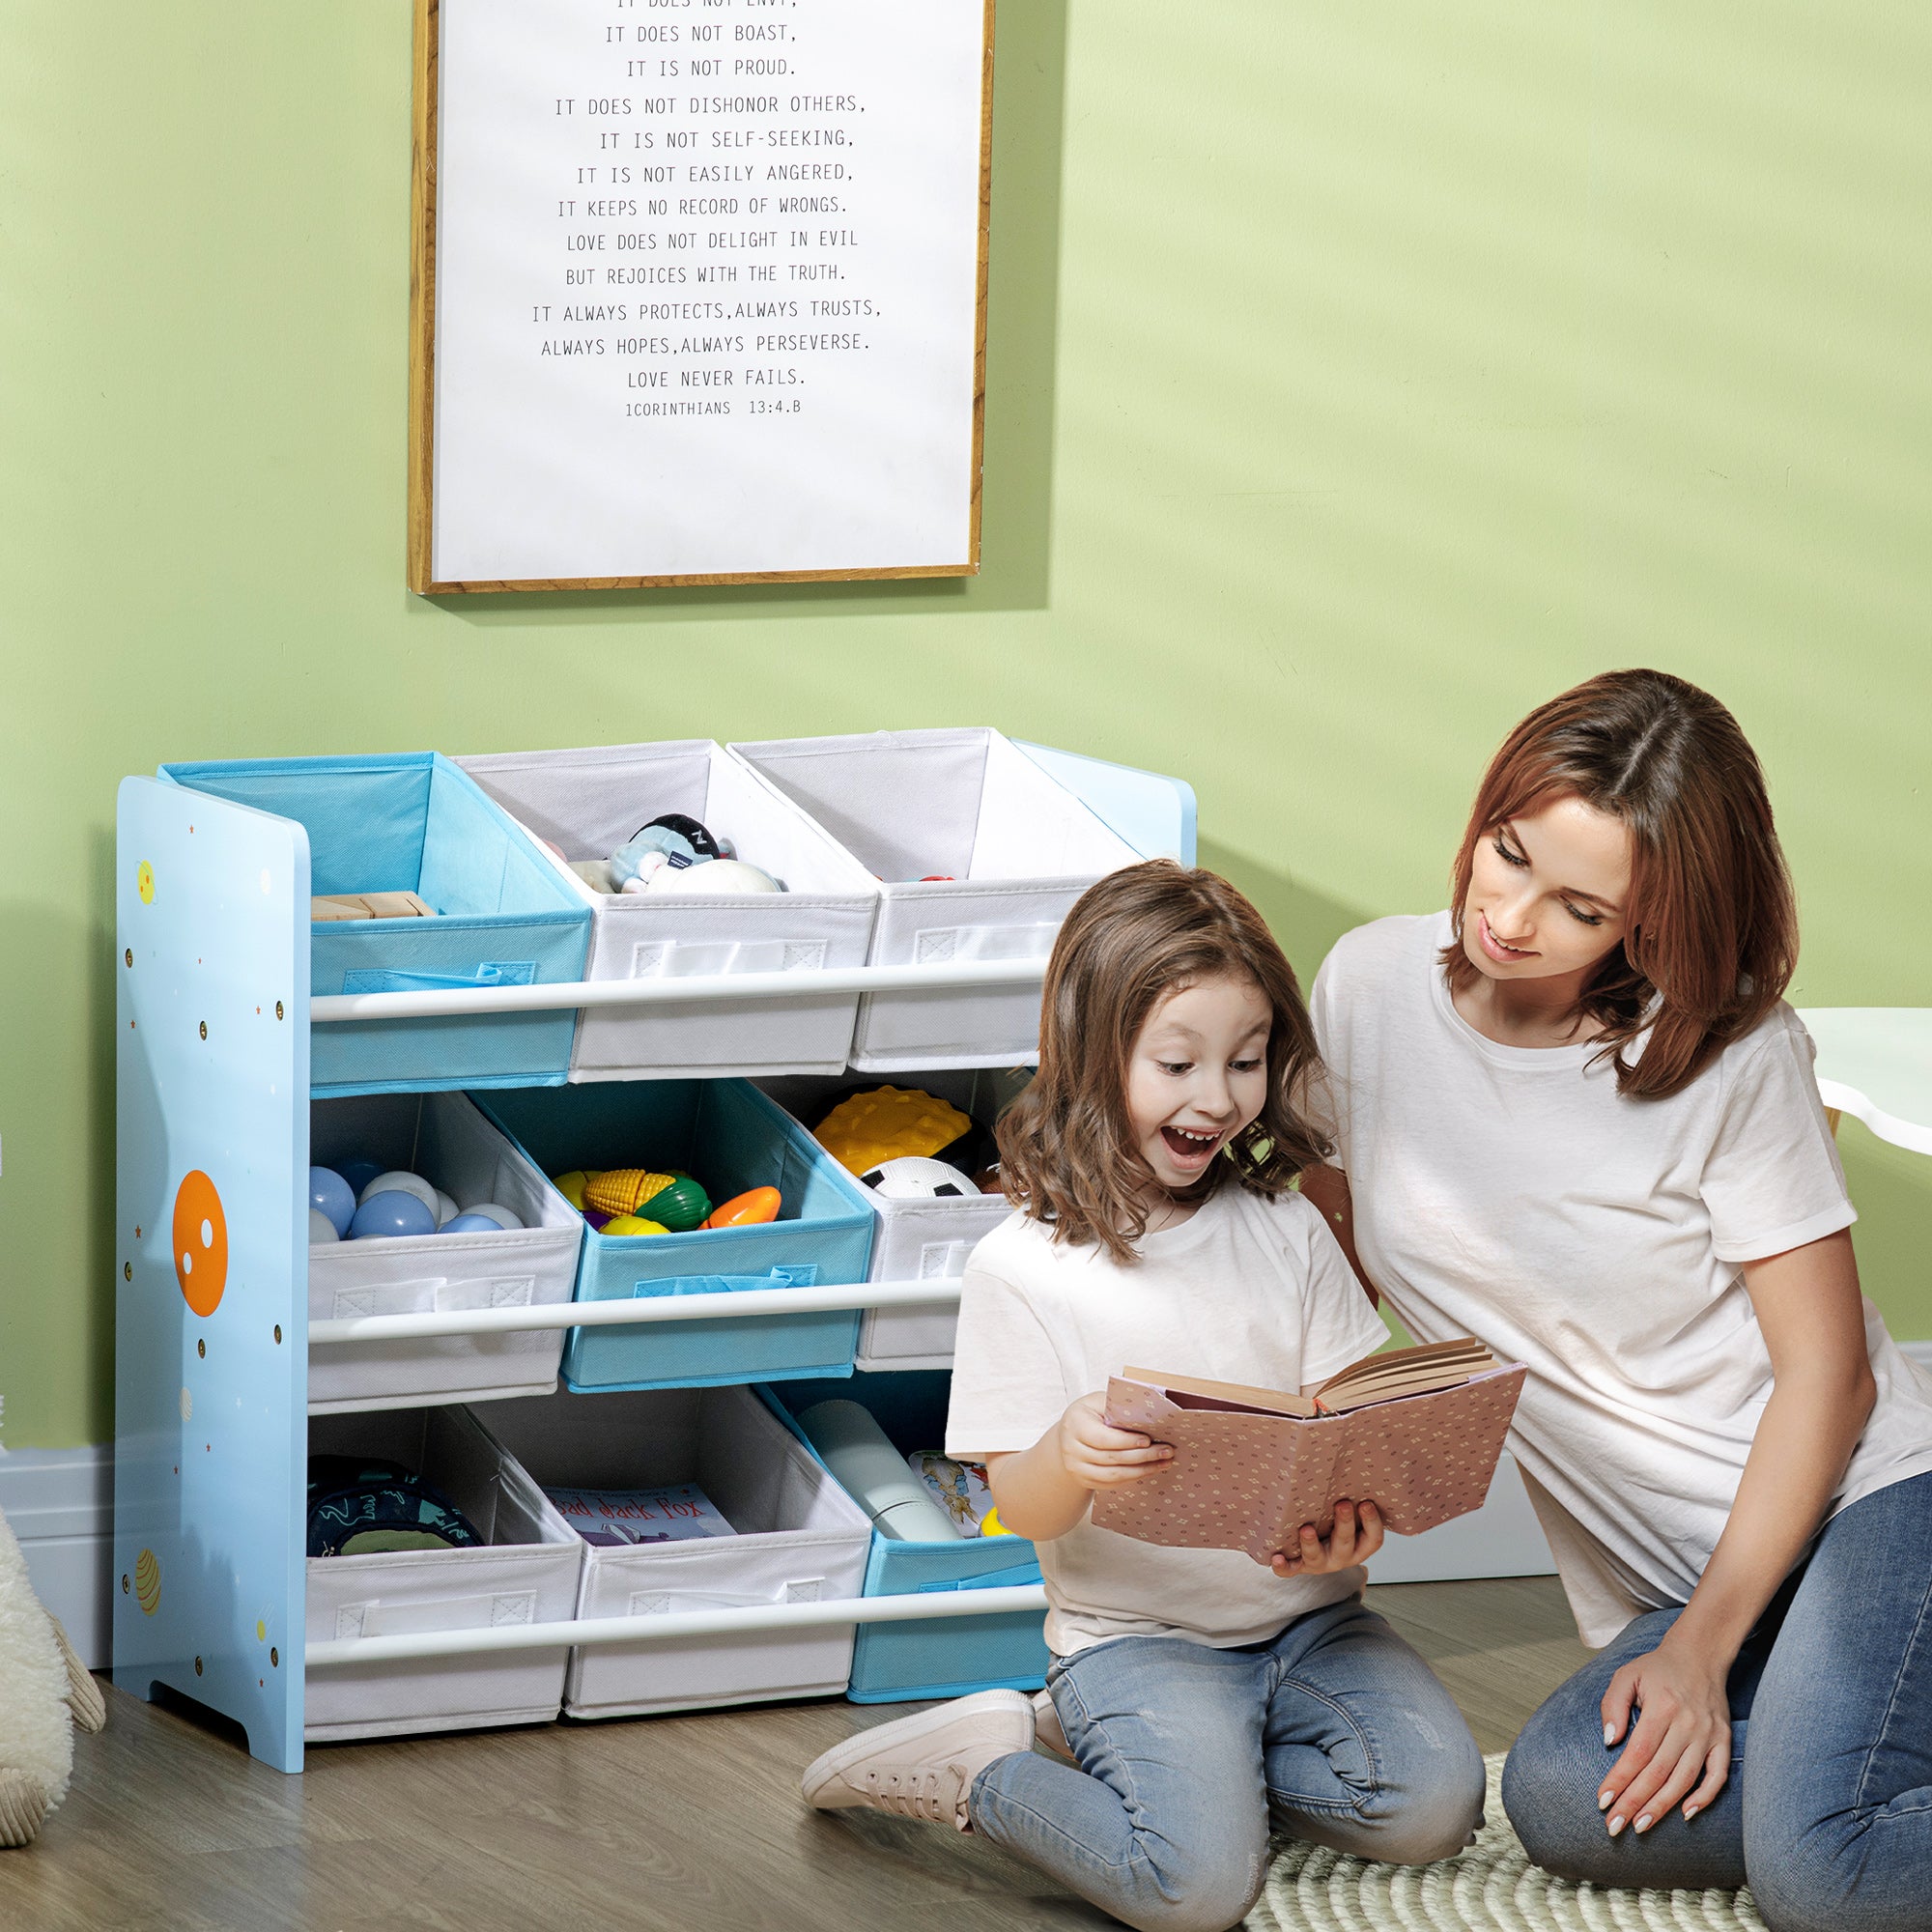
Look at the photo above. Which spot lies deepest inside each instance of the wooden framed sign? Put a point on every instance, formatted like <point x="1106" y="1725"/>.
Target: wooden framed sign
<point x="698" y="291"/>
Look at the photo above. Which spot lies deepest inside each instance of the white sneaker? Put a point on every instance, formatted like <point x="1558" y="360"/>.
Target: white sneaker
<point x="922" y="1766"/>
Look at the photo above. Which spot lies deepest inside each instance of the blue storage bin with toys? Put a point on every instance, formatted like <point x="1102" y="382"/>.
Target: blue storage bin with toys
<point x="715" y="1149"/>
<point x="419" y="880"/>
<point x="941" y="1657"/>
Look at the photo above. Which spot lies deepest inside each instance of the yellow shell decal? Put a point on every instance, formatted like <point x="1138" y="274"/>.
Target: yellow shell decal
<point x="148" y="1582"/>
<point x="144" y="882"/>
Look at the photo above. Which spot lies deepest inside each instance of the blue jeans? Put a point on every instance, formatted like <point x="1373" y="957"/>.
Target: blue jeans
<point x="1335" y="1729"/>
<point x="1828" y="1814"/>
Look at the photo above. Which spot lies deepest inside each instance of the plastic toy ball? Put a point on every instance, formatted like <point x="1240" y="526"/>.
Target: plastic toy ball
<point x="915" y="1177"/>
<point x="320" y="1229"/>
<point x="499" y="1217"/>
<point x="571" y="1186"/>
<point x="398" y="1181"/>
<point x="391" y="1214"/>
<point x="446" y="1209"/>
<point x="747" y="1210"/>
<point x="721" y="875"/>
<point x="358" y="1174"/>
<point x="683" y="1205"/>
<point x="332" y="1197"/>
<point x="470" y="1224"/>
<point x="623" y="1225"/>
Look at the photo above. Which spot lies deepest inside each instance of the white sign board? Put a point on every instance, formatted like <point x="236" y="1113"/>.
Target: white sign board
<point x="699" y="290"/>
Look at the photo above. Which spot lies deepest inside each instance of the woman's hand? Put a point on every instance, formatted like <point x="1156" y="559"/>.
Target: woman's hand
<point x="1356" y="1537"/>
<point x="1099" y="1457"/>
<point x="1680" y="1747"/>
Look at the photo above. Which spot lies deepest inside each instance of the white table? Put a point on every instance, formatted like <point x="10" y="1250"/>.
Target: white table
<point x="1875" y="1064"/>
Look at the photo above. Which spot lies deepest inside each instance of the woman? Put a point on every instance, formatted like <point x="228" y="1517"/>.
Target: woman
<point x="1575" y="1119"/>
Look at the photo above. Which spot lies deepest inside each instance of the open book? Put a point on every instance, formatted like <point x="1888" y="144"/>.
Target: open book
<point x="1416" y="1432"/>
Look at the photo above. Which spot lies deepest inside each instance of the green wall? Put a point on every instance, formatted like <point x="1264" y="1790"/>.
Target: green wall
<point x="1359" y="376"/>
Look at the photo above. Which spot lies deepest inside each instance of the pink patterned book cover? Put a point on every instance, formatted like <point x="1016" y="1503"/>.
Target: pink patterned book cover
<point x="1245" y="1480"/>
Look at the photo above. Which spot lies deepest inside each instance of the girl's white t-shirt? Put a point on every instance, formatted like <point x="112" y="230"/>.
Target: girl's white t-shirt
<point x="1246" y="1290"/>
<point x="1511" y="1193"/>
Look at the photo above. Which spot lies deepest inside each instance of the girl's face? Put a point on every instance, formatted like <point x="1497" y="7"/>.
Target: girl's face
<point x="1197" y="1075"/>
<point x="1547" y="893"/>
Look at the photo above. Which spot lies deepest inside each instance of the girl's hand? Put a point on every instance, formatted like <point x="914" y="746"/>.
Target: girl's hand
<point x="1681" y="1746"/>
<point x="1098" y="1457"/>
<point x="1356" y="1537"/>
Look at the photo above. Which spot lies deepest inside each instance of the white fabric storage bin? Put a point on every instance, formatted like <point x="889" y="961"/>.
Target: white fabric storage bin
<point x="590" y="802"/>
<point x="920" y="1240"/>
<point x="1017" y="849"/>
<point x="801" y="1538"/>
<point x="443" y="1138"/>
<point x="526" y="1574"/>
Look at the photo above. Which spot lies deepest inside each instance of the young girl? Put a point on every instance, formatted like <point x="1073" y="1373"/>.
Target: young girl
<point x="1579" y="1121"/>
<point x="1199" y="1693"/>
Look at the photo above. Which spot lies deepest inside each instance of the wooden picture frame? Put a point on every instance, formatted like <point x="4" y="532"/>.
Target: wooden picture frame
<point x="423" y="353"/>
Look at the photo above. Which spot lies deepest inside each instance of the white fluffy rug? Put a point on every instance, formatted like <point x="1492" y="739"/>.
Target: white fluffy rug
<point x="36" y="1735"/>
<point x="1491" y="1887"/>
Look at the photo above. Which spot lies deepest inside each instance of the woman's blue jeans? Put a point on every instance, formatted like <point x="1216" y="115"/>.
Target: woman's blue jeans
<point x="1828" y="1814"/>
<point x="1336" y="1730"/>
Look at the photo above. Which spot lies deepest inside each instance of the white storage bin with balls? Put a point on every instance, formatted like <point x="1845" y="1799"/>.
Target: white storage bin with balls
<point x="702" y="846"/>
<point x="522" y="1569"/>
<point x="923" y="1147"/>
<point x="768" y="1524"/>
<point x="396" y="1187"/>
<point x="980" y="853"/>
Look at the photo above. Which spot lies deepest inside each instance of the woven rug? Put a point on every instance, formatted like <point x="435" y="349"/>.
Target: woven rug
<point x="1491" y="1887"/>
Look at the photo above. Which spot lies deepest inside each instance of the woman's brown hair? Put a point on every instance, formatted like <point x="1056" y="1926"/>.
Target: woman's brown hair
<point x="1712" y="934"/>
<point x="1066" y="1151"/>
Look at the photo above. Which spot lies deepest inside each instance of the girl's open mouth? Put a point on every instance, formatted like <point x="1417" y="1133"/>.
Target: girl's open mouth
<point x="1190" y="1146"/>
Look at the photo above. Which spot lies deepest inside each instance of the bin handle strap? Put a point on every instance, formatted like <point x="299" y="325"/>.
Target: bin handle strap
<point x="488" y="1611"/>
<point x="492" y="973"/>
<point x="991" y="1580"/>
<point x="661" y="1603"/>
<point x="727" y="1284"/>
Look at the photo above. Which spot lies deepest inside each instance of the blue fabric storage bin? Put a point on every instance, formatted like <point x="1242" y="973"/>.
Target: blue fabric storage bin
<point x="893" y="1663"/>
<point x="732" y="1138"/>
<point x="412" y="821"/>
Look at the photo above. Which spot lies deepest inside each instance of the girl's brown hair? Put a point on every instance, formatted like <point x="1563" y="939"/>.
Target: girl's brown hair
<point x="1067" y="1150"/>
<point x="1711" y="924"/>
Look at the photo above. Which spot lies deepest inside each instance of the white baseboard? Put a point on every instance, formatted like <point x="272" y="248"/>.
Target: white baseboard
<point x="1501" y="1538"/>
<point x="60" y="1503"/>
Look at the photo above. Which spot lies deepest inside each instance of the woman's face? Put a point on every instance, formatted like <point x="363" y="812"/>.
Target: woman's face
<point x="1547" y="893"/>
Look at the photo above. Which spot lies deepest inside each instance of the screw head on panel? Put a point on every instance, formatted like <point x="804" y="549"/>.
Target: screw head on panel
<point x="204" y="1028"/>
<point x="201" y="1349"/>
<point x="130" y="956"/>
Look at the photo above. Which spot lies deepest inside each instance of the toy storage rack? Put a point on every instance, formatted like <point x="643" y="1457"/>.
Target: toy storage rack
<point x="220" y="1618"/>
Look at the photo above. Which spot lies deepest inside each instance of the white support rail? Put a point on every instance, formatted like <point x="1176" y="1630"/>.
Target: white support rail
<point x="586" y="1632"/>
<point x="433" y="1002"/>
<point x="745" y="1304"/>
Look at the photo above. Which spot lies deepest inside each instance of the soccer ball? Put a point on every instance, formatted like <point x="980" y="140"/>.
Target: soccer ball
<point x="915" y="1177"/>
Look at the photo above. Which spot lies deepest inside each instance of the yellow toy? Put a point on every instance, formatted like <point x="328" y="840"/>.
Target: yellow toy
<point x="868" y="1128"/>
<point x="571" y="1186"/>
<point x="632" y="1223"/>
<point x="623" y="1191"/>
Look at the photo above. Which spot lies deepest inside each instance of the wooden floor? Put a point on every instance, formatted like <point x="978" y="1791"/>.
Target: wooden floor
<point x="657" y="1825"/>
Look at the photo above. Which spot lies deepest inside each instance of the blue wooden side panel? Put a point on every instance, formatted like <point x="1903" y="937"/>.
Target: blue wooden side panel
<point x="211" y="904"/>
<point x="1153" y="813"/>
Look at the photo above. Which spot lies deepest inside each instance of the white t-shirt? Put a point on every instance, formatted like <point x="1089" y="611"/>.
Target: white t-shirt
<point x="1246" y="1290"/>
<point x="1512" y="1194"/>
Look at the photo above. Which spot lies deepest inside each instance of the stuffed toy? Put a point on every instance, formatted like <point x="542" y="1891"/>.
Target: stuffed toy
<point x="45" y="1692"/>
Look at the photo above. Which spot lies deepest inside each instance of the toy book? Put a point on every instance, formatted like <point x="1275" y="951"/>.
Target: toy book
<point x="613" y="1517"/>
<point x="1416" y="1430"/>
